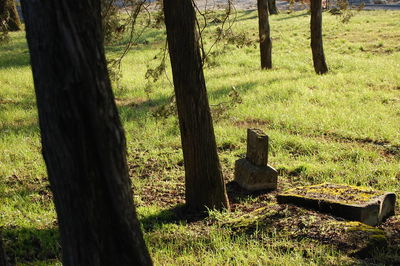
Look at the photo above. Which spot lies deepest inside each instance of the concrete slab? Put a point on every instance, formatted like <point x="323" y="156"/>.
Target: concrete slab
<point x="350" y="202"/>
<point x="252" y="177"/>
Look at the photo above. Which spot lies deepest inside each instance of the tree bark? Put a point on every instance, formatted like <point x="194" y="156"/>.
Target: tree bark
<point x="273" y="10"/>
<point x="3" y="260"/>
<point x="316" y="37"/>
<point x="264" y="34"/>
<point x="9" y="15"/>
<point x="83" y="142"/>
<point x="204" y="182"/>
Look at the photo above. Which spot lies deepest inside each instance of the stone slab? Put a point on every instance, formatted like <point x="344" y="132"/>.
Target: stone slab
<point x="350" y="202"/>
<point x="257" y="147"/>
<point x="252" y="177"/>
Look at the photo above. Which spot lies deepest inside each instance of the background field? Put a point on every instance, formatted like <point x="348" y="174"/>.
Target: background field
<point x="341" y="127"/>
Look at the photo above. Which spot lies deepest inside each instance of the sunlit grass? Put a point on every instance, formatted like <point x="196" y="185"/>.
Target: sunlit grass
<point x="340" y="127"/>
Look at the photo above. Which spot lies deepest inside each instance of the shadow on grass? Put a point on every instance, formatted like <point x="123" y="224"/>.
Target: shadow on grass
<point x="14" y="60"/>
<point x="294" y="16"/>
<point x="224" y="91"/>
<point x="244" y="15"/>
<point x="27" y="128"/>
<point x="24" y="245"/>
<point x="236" y="194"/>
<point x="149" y="39"/>
<point x="26" y="124"/>
<point x="175" y="215"/>
<point x="139" y="110"/>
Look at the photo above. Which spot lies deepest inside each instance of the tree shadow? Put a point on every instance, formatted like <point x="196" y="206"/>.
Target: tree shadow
<point x="26" y="244"/>
<point x="293" y="16"/>
<point x="14" y="54"/>
<point x="224" y="91"/>
<point x="244" y="15"/>
<point x="14" y="60"/>
<point x="137" y="110"/>
<point x="237" y="194"/>
<point x="174" y="215"/>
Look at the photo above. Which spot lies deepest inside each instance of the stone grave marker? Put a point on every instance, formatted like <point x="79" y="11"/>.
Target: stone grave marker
<point x="350" y="202"/>
<point x="253" y="172"/>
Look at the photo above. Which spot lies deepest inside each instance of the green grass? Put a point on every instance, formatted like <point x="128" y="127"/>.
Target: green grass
<point x="341" y="127"/>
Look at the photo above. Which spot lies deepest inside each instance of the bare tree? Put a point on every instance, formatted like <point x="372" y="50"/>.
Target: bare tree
<point x="3" y="260"/>
<point x="264" y="34"/>
<point x="273" y="10"/>
<point x="9" y="15"/>
<point x="205" y="186"/>
<point x="83" y="142"/>
<point x="316" y="37"/>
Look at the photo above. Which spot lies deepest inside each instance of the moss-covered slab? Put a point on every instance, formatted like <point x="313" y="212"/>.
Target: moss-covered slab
<point x="350" y="202"/>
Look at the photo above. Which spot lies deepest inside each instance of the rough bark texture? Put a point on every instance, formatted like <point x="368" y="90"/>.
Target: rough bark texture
<point x="9" y="15"/>
<point x="273" y="10"/>
<point x="82" y="138"/>
<point x="316" y="37"/>
<point x="264" y="34"/>
<point x="3" y="261"/>
<point x="203" y="177"/>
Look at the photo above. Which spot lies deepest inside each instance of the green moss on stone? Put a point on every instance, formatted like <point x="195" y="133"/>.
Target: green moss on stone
<point x="335" y="193"/>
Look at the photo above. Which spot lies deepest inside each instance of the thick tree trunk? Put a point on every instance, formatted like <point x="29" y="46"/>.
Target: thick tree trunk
<point x="316" y="37"/>
<point x="82" y="137"/>
<point x="3" y="260"/>
<point x="9" y="15"/>
<point x="273" y="10"/>
<point x="204" y="181"/>
<point x="264" y="34"/>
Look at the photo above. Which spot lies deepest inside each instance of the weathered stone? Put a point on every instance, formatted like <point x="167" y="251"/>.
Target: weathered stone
<point x="353" y="203"/>
<point x="257" y="147"/>
<point x="253" y="177"/>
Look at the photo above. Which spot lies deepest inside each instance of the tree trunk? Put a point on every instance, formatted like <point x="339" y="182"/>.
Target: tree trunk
<point x="9" y="15"/>
<point x="203" y="177"/>
<point x="264" y="34"/>
<point x="83" y="142"/>
<point x="316" y="37"/>
<point x="3" y="260"/>
<point x="273" y="10"/>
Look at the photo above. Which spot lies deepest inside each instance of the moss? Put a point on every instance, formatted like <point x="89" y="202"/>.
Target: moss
<point x="358" y="226"/>
<point x="336" y="193"/>
<point x="251" y="220"/>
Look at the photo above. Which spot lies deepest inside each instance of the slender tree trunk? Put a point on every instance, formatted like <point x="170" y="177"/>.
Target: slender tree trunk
<point x="273" y="10"/>
<point x="9" y="15"/>
<point x="264" y="34"/>
<point x="203" y="177"/>
<point x="3" y="260"/>
<point x="316" y="37"/>
<point x="83" y="142"/>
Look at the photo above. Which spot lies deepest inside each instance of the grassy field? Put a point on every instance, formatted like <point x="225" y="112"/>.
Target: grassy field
<point x="341" y="127"/>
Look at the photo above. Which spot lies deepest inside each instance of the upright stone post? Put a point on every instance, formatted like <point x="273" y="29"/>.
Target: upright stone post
<point x="257" y="147"/>
<point x="253" y="172"/>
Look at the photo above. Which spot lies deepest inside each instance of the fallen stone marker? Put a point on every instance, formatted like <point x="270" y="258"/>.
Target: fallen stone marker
<point x="350" y="202"/>
<point x="253" y="172"/>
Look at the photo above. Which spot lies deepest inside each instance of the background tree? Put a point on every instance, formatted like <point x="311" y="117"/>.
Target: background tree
<point x="3" y="261"/>
<point x="273" y="10"/>
<point x="9" y="17"/>
<point x="264" y="34"/>
<point x="316" y="37"/>
<point x="83" y="142"/>
<point x="203" y="176"/>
